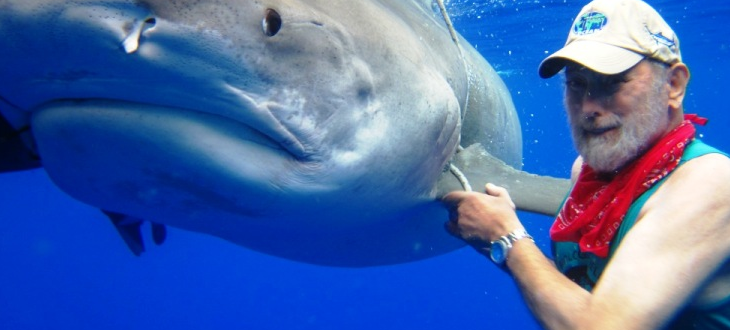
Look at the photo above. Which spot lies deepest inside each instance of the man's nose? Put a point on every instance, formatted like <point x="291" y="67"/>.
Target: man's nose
<point x="592" y="106"/>
<point x="591" y="98"/>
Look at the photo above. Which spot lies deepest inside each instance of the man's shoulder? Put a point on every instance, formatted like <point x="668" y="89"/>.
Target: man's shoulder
<point x="715" y="166"/>
<point x="698" y="148"/>
<point x="704" y="179"/>
<point x="700" y="157"/>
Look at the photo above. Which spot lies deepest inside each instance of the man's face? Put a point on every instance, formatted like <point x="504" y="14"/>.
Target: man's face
<point x="615" y="118"/>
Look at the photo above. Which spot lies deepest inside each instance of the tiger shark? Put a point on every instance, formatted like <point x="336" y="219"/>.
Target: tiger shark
<point x="313" y="130"/>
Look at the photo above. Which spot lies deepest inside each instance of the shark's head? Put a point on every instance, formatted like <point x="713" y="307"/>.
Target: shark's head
<point x="272" y="114"/>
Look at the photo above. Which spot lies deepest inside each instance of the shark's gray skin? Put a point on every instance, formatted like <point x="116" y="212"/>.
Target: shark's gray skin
<point x="314" y="130"/>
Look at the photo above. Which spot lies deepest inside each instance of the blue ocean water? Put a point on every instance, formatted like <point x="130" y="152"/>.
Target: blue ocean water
<point x="64" y="266"/>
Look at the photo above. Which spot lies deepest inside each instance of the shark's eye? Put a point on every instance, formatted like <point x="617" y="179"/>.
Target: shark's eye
<point x="271" y="22"/>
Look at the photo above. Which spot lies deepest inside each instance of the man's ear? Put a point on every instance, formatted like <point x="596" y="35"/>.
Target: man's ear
<point x="678" y="80"/>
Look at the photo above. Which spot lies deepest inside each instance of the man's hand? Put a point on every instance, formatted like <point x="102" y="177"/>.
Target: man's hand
<point x="478" y="218"/>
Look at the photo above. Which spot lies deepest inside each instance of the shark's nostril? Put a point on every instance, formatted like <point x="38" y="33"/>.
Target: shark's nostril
<point x="271" y="22"/>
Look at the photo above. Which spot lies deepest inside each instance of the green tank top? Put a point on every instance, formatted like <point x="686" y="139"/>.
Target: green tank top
<point x="585" y="268"/>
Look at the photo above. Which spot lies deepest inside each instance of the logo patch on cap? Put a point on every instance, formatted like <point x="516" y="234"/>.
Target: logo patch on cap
<point x="589" y="23"/>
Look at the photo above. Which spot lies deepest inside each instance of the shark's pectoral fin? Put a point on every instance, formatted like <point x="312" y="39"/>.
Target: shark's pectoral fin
<point x="530" y="192"/>
<point x="129" y="229"/>
<point x="16" y="148"/>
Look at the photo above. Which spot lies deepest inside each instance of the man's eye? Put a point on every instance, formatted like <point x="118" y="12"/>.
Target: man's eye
<point x="575" y="85"/>
<point x="615" y="81"/>
<point x="613" y="84"/>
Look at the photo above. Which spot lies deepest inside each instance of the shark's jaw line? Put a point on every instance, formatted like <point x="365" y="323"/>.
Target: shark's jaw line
<point x="256" y="136"/>
<point x="153" y="137"/>
<point x="267" y="130"/>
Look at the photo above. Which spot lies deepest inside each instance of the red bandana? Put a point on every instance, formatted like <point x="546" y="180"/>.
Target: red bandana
<point x="595" y="208"/>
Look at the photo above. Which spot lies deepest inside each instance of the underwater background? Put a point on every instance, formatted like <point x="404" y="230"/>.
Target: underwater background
<point x="63" y="265"/>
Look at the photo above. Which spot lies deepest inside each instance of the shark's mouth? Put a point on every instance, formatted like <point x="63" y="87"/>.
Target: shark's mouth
<point x="261" y="128"/>
<point x="92" y="148"/>
<point x="96" y="130"/>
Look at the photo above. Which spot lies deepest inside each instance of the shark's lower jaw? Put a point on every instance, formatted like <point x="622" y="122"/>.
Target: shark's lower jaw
<point x="98" y="148"/>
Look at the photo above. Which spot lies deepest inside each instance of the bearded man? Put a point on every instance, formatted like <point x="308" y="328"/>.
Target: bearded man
<point x="643" y="239"/>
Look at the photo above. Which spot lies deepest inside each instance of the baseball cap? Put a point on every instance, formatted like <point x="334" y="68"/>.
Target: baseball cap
<point x="611" y="36"/>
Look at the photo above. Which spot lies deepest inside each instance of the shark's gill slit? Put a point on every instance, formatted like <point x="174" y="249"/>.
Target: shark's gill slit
<point x="271" y="22"/>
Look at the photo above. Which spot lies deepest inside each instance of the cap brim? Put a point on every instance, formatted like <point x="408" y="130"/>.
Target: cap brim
<point x="597" y="56"/>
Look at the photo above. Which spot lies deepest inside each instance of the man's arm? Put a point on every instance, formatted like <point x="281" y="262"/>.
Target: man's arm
<point x="478" y="218"/>
<point x="677" y="245"/>
<point x="675" y="248"/>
